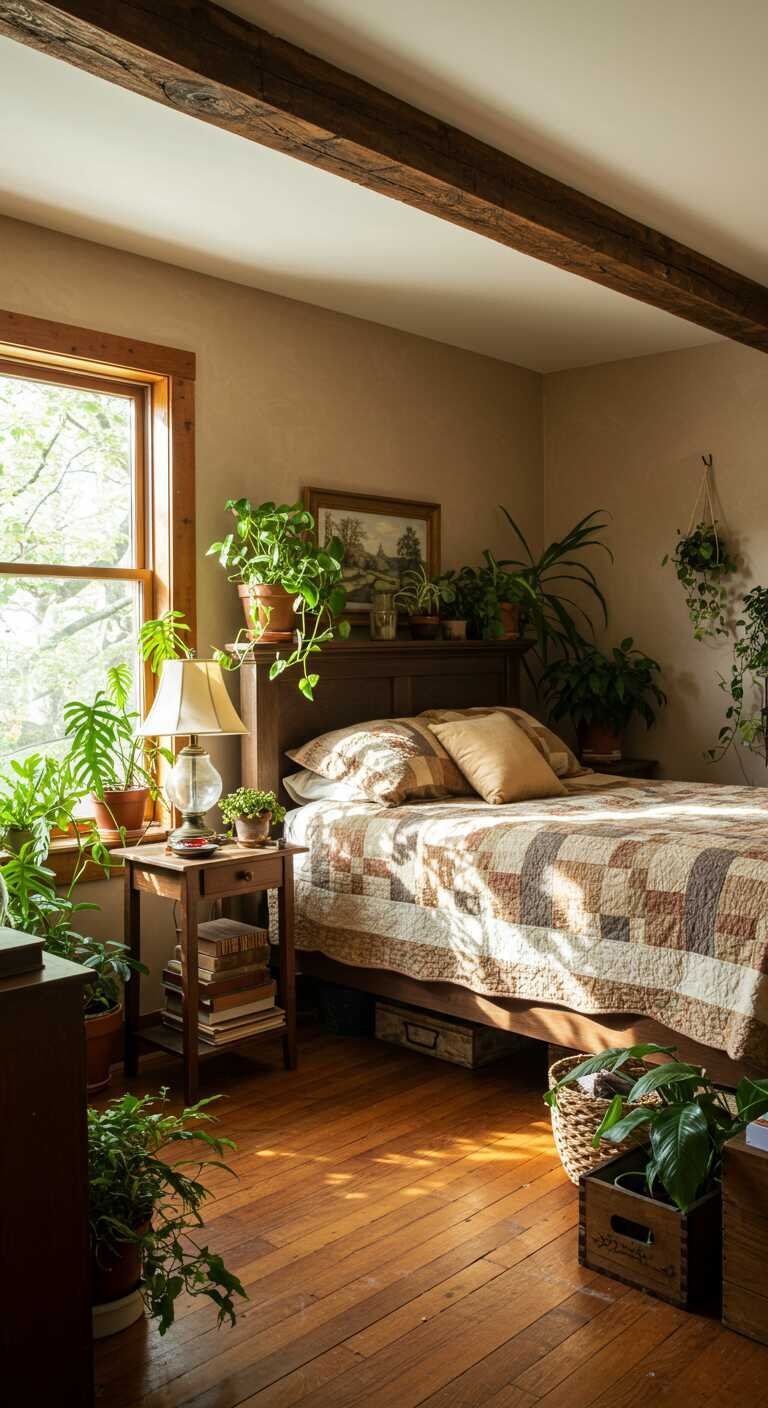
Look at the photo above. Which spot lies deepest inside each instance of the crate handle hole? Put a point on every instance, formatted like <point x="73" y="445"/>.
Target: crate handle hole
<point x="421" y="1036"/>
<point x="634" y="1230"/>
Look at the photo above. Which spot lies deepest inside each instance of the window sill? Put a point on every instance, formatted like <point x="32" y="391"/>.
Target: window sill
<point x="62" y="857"/>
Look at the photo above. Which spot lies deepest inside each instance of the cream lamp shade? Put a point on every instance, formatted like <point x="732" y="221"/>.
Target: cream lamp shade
<point x="192" y="699"/>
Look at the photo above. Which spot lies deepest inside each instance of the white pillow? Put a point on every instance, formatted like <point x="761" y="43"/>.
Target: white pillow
<point x="306" y="786"/>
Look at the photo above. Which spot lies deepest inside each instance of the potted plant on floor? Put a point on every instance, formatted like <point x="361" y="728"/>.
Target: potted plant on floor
<point x="420" y="597"/>
<point x="652" y="1215"/>
<point x="600" y="693"/>
<point x="107" y="758"/>
<point x="144" y="1210"/>
<point x="289" y="585"/>
<point x="251" y="814"/>
<point x="33" y="905"/>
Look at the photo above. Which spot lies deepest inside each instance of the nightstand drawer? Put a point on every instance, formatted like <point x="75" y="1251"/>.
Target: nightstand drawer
<point x="247" y="874"/>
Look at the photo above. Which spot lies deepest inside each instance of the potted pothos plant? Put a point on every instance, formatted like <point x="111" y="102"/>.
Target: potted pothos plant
<point x="107" y="757"/>
<point x="145" y="1212"/>
<point x="746" y="717"/>
<point x="420" y="597"/>
<point x="702" y="560"/>
<point x="600" y="694"/>
<point x="33" y="905"/>
<point x="289" y="584"/>
<point x="652" y="1214"/>
<point x="251" y="814"/>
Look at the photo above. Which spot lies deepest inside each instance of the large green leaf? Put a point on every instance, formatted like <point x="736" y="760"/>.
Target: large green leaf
<point x="681" y="1146"/>
<point x="611" y="1059"/>
<point x="751" y="1098"/>
<point x="666" y="1073"/>
<point x="620" y="1129"/>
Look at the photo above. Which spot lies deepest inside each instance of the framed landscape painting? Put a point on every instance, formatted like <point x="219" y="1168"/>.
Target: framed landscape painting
<point x="382" y="538"/>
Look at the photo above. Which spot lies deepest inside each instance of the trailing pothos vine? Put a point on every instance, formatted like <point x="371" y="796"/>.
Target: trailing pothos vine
<point x="702" y="560"/>
<point x="745" y="724"/>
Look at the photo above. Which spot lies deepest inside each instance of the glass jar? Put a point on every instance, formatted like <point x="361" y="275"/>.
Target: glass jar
<point x="383" y="616"/>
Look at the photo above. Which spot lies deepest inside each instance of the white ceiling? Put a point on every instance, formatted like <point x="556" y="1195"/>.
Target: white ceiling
<point x="658" y="109"/>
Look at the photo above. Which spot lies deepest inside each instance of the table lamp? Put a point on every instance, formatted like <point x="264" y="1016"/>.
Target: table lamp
<point x="192" y="699"/>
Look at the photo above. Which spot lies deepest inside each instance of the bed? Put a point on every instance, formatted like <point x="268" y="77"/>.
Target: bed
<point x="620" y="912"/>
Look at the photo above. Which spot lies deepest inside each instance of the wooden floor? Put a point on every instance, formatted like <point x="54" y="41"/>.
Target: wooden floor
<point x="407" y="1236"/>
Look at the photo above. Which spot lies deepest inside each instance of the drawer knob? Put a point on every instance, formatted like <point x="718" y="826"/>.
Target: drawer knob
<point x="244" y="875"/>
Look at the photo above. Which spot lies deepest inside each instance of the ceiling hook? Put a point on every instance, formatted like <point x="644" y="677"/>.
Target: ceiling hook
<point x="707" y="460"/>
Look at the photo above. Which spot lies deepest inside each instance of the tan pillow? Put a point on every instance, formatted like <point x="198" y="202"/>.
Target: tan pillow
<point x="557" y="753"/>
<point x="385" y="760"/>
<point x="499" y="759"/>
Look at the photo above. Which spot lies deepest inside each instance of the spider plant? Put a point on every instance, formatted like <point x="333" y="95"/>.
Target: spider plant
<point x="550" y="611"/>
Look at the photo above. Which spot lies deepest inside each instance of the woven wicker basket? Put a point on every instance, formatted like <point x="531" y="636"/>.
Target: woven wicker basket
<point x="576" y="1117"/>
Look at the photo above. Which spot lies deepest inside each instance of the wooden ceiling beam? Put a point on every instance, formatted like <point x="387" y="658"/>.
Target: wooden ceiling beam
<point x="195" y="57"/>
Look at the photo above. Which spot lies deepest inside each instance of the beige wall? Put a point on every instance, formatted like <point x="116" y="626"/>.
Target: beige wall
<point x="289" y="394"/>
<point x="628" y="437"/>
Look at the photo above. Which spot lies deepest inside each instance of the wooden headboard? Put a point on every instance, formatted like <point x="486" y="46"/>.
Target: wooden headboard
<point x="363" y="679"/>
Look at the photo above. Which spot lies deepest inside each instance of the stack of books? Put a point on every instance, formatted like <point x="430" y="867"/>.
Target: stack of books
<point x="235" y="989"/>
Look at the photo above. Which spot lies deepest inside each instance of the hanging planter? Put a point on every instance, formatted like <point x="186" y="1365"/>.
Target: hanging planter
<point x="702" y="560"/>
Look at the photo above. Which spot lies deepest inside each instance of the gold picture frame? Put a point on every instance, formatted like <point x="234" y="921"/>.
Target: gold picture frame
<point x="377" y="532"/>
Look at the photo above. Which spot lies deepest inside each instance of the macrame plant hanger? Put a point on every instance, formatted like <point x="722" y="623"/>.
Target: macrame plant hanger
<point x="705" y="497"/>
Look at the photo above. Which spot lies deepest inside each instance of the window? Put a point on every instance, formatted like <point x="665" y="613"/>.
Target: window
<point x="96" y="515"/>
<point x="74" y="579"/>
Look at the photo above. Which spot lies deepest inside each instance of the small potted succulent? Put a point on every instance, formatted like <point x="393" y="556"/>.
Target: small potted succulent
<point x="701" y="559"/>
<point x="251" y="814"/>
<point x="420" y="597"/>
<point x="600" y="693"/>
<point x="144" y="1211"/>
<point x="106" y="757"/>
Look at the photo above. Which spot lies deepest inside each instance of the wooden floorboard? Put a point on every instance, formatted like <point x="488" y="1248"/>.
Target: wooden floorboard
<point x="407" y="1239"/>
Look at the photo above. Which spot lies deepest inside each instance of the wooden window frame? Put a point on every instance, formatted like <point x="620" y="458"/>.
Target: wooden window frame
<point x="164" y="379"/>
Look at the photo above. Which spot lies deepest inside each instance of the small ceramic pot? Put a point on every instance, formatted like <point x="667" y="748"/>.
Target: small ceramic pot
<point x="272" y="607"/>
<point x="101" y="1029"/>
<point x="249" y="829"/>
<point x="597" y="741"/>
<point x="455" y="630"/>
<point x="509" y="612"/>
<point x="121" y="810"/>
<point x="424" y="627"/>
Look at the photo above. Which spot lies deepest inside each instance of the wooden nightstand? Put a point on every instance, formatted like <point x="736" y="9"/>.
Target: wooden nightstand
<point x="234" y="870"/>
<point x="626" y="767"/>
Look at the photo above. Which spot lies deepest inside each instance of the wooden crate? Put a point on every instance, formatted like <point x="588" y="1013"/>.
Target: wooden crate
<point x="452" y="1039"/>
<point x="646" y="1243"/>
<point x="745" y="1239"/>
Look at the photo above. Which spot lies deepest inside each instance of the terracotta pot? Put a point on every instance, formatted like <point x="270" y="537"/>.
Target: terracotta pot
<point x="455" y="630"/>
<point x="115" y="1274"/>
<point x="16" y="837"/>
<point x="121" y="809"/>
<point x="252" y="828"/>
<point x="597" y="741"/>
<point x="273" y="608"/>
<point x="509" y="612"/>
<point x="100" y="1031"/>
<point x="424" y="627"/>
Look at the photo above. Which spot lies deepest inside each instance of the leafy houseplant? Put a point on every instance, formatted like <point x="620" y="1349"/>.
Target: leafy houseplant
<point x="145" y="1207"/>
<point x="421" y="597"/>
<point x="701" y="559"/>
<point x="107" y="757"/>
<point x="492" y="598"/>
<point x="288" y="583"/>
<point x="600" y="693"/>
<point x="746" y="724"/>
<point x="687" y="1126"/>
<point x="251" y="813"/>
<point x="550" y="604"/>
<point x="36" y="795"/>
<point x="34" y="906"/>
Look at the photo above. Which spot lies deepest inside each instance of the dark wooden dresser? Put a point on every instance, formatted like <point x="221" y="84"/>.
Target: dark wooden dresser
<point x="45" y="1317"/>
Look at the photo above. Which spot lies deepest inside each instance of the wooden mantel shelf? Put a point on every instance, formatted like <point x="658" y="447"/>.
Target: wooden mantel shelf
<point x="387" y="649"/>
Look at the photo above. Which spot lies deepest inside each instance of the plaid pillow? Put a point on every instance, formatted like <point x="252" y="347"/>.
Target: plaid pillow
<point x="387" y="760"/>
<point x="557" y="753"/>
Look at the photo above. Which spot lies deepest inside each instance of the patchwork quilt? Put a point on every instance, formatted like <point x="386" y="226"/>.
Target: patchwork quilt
<point x="645" y="897"/>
